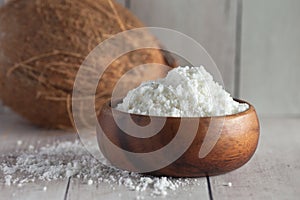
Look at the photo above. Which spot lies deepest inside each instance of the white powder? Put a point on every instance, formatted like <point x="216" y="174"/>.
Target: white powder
<point x="90" y="182"/>
<point x="184" y="92"/>
<point x="8" y="180"/>
<point x="229" y="184"/>
<point x="62" y="160"/>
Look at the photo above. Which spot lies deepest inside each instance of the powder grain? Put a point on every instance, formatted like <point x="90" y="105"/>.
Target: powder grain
<point x="62" y="160"/>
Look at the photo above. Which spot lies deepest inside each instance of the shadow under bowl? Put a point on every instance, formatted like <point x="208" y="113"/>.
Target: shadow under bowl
<point x="182" y="147"/>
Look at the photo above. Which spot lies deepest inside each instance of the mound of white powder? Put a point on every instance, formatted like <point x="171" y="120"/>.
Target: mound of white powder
<point x="184" y="92"/>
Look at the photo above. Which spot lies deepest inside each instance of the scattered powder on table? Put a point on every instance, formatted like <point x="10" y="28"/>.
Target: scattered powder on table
<point x="184" y="92"/>
<point x="62" y="160"/>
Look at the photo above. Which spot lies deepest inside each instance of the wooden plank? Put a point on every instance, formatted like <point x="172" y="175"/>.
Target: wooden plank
<point x="14" y="128"/>
<point x="270" y="56"/>
<point x="114" y="191"/>
<point x="16" y="135"/>
<point x="274" y="172"/>
<point x="210" y="22"/>
<point x="34" y="191"/>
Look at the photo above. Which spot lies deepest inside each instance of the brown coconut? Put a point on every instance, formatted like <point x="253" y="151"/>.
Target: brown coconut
<point x="44" y="42"/>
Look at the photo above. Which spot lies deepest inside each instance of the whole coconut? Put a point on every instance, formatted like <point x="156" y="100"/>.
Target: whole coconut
<point x="44" y="42"/>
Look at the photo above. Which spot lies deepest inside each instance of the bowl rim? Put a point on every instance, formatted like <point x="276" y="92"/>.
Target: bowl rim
<point x="243" y="113"/>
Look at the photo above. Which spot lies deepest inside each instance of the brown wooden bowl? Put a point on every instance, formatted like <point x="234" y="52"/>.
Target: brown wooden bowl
<point x="237" y="142"/>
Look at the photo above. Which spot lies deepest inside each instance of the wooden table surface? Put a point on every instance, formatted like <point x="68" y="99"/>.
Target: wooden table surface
<point x="273" y="172"/>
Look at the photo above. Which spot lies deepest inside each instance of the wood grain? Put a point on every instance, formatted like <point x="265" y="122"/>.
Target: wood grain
<point x="235" y="145"/>
<point x="270" y="56"/>
<point x="274" y="171"/>
<point x="212" y="23"/>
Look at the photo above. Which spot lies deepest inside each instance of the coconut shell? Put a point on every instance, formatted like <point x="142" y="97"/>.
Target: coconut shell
<point x="44" y="42"/>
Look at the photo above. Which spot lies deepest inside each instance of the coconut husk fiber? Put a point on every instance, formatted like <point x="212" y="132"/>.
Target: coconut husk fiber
<point x="44" y="42"/>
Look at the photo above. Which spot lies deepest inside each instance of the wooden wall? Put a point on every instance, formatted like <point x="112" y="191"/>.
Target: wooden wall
<point x="256" y="44"/>
<point x="211" y="22"/>
<point x="270" y="75"/>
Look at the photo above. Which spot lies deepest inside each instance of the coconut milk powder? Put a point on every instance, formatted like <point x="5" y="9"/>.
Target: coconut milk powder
<point x="184" y="92"/>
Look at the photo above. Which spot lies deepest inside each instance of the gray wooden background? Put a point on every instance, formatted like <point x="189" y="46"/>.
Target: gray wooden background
<point x="256" y="44"/>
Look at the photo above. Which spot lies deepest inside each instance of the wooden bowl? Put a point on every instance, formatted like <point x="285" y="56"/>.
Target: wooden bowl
<point x="236" y="143"/>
